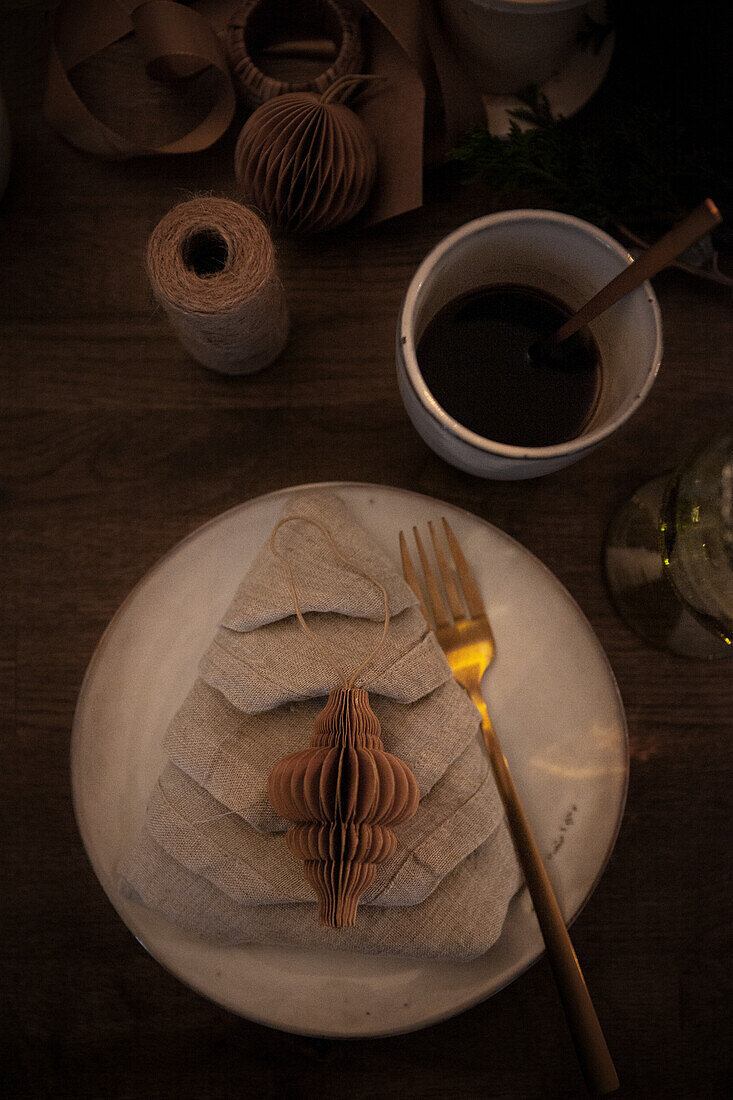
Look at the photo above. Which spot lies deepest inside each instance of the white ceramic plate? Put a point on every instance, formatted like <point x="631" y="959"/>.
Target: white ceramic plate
<point x="567" y="90"/>
<point x="551" y="694"/>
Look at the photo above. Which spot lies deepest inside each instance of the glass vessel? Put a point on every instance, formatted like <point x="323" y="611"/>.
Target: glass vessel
<point x="669" y="555"/>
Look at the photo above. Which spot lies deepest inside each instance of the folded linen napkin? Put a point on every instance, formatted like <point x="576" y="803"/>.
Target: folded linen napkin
<point x="212" y="857"/>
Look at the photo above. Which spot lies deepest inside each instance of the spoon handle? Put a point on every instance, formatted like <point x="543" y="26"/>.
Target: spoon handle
<point x="698" y="222"/>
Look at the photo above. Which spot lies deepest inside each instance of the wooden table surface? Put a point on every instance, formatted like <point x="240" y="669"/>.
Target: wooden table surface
<point x="116" y="445"/>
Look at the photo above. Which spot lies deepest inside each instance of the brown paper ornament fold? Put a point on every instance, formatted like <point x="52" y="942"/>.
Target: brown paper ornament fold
<point x="343" y="793"/>
<point x="305" y="162"/>
<point x="262" y="23"/>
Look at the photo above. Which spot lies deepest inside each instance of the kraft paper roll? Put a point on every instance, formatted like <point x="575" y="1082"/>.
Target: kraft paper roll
<point x="211" y="265"/>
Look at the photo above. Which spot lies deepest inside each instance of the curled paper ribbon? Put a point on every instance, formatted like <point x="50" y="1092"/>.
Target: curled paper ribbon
<point x="176" y="42"/>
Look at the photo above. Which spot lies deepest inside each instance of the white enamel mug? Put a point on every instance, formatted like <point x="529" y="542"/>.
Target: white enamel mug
<point x="566" y="257"/>
<point x="510" y="44"/>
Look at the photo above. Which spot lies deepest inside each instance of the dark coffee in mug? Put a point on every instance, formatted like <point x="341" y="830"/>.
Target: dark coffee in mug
<point x="474" y="358"/>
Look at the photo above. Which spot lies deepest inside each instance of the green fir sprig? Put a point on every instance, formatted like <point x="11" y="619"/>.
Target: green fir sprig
<point x="638" y="170"/>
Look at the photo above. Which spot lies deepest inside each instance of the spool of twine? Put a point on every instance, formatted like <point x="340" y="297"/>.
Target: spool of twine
<point x="211" y="265"/>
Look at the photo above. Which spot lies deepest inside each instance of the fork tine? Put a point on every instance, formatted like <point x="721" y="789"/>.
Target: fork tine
<point x="470" y="589"/>
<point x="408" y="572"/>
<point x="454" y="599"/>
<point x="439" y="611"/>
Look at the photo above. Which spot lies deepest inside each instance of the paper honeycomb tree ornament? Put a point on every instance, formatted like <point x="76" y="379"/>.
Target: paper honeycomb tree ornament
<point x="344" y="792"/>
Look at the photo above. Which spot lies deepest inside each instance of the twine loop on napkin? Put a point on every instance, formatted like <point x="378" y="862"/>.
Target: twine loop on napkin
<point x="211" y="265"/>
<point x="349" y="682"/>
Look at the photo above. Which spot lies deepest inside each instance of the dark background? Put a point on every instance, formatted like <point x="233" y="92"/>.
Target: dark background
<point x="115" y="445"/>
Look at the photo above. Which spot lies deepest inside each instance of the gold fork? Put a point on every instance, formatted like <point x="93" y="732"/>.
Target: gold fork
<point x="468" y="643"/>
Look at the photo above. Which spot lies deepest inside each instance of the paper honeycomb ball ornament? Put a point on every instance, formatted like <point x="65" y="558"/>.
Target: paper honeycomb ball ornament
<point x="305" y="162"/>
<point x="343" y="794"/>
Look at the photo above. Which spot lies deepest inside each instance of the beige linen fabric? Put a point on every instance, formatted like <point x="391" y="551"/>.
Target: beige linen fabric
<point x="323" y="583"/>
<point x="212" y="857"/>
<point x="461" y="919"/>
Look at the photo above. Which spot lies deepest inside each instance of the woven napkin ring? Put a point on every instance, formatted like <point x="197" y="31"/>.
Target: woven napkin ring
<point x="344" y="791"/>
<point x="261" y="25"/>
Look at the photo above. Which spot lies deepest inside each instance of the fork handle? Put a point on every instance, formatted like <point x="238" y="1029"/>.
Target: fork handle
<point x="593" y="1054"/>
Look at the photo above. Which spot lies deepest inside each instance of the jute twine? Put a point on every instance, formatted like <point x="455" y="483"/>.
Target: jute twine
<point x="211" y="265"/>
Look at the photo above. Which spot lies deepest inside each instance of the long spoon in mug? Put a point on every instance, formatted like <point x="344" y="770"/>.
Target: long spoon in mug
<point x="697" y="223"/>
